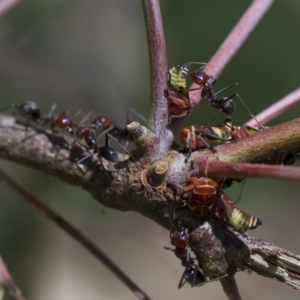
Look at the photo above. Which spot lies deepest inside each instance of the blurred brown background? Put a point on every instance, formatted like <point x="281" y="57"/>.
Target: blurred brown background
<point x="92" y="56"/>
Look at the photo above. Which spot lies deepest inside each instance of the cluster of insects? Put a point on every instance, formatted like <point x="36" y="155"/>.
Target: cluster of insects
<point x="31" y="111"/>
<point x="177" y="92"/>
<point x="192" y="274"/>
<point x="203" y="196"/>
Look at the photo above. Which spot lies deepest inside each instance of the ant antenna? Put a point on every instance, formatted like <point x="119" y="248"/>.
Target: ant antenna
<point x="242" y="185"/>
<point x="133" y="111"/>
<point x="197" y="63"/>
<point x="249" y="112"/>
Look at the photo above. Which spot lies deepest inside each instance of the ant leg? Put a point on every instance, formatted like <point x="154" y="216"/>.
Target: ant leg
<point x="226" y="88"/>
<point x="6" y="107"/>
<point x="182" y="281"/>
<point x="214" y="117"/>
<point x="133" y="111"/>
<point x="85" y="157"/>
<point x="212" y="136"/>
<point x="198" y="278"/>
<point x="85" y="118"/>
<point x="207" y="145"/>
<point x="26" y="128"/>
<point x="168" y="248"/>
<point x="81" y="160"/>
<point x="241" y="192"/>
<point x="43" y="120"/>
<point x="109" y="137"/>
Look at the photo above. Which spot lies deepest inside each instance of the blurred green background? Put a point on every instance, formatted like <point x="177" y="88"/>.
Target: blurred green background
<point x="92" y="56"/>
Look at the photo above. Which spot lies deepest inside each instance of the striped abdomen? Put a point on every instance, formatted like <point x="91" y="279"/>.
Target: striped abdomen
<point x="199" y="137"/>
<point x="227" y="211"/>
<point x="177" y="76"/>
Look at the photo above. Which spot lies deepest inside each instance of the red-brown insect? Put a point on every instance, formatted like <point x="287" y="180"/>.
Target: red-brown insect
<point x="199" y="137"/>
<point x="87" y="132"/>
<point x="203" y="196"/>
<point x="177" y="93"/>
<point x="177" y="82"/>
<point x="63" y="121"/>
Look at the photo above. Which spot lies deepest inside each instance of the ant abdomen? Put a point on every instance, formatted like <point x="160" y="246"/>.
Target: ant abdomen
<point x="228" y="107"/>
<point x="63" y="121"/>
<point x="102" y="121"/>
<point x="109" y="154"/>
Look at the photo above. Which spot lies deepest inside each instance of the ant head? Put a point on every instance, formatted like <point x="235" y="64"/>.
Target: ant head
<point x="29" y="109"/>
<point x="194" y="276"/>
<point x="200" y="77"/>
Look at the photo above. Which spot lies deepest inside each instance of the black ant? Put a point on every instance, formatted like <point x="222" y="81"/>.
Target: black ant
<point x="224" y="104"/>
<point x="87" y="133"/>
<point x="106" y="124"/>
<point x="177" y="92"/>
<point x="192" y="274"/>
<point x="31" y="111"/>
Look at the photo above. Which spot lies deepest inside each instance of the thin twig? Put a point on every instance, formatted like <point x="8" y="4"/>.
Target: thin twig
<point x="230" y="288"/>
<point x="72" y="231"/>
<point x="221" y="252"/>
<point x="7" y="5"/>
<point x="229" y="48"/>
<point x="7" y="281"/>
<point x="158" y="112"/>
<point x="215" y="169"/>
<point x="43" y="150"/>
<point x="158" y="65"/>
<point x="229" y="159"/>
<point x="277" y="108"/>
<point x="237" y="37"/>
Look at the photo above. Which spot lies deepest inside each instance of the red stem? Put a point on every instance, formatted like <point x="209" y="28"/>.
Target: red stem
<point x="237" y="37"/>
<point x="7" y="281"/>
<point x="277" y="108"/>
<point x="230" y="288"/>
<point x="7" y="5"/>
<point x="216" y="169"/>
<point x="229" y="48"/>
<point x="72" y="231"/>
<point x="158" y="116"/>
